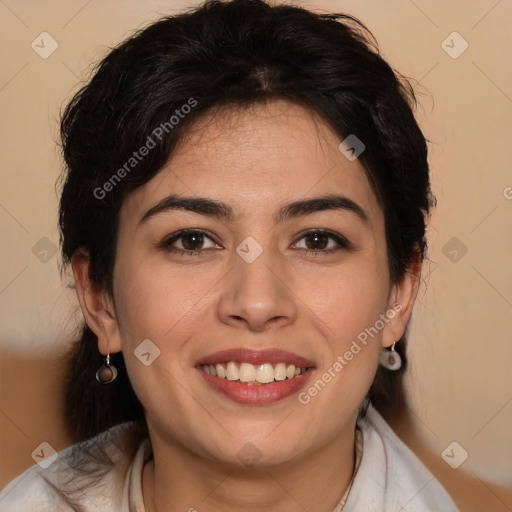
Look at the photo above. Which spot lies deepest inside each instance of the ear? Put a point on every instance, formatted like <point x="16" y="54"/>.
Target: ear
<point x="401" y="301"/>
<point x="97" y="305"/>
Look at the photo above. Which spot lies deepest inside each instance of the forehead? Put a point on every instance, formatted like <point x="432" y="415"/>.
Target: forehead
<point x="255" y="158"/>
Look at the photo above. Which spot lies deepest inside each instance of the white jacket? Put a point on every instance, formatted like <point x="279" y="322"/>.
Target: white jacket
<point x="390" y="478"/>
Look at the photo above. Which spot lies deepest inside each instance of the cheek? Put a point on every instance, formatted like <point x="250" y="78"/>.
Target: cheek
<point x="349" y="302"/>
<point x="154" y="303"/>
<point x="163" y="304"/>
<point x="348" y="299"/>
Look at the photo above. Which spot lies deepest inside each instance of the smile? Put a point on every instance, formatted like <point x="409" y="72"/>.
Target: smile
<point x="255" y="376"/>
<point x="252" y="374"/>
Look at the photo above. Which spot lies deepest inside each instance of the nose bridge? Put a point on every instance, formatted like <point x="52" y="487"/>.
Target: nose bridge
<point x="257" y="293"/>
<point x="258" y="275"/>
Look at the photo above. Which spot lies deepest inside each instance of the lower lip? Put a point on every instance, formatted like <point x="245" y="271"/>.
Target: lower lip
<point x="256" y="394"/>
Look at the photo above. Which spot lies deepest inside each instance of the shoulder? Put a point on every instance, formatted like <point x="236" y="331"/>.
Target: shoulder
<point x="391" y="477"/>
<point x="91" y="475"/>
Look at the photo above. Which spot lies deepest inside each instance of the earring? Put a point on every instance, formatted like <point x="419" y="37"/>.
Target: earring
<point x="106" y="373"/>
<point x="390" y="359"/>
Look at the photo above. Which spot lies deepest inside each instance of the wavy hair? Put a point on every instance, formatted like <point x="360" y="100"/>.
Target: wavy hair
<point x="229" y="54"/>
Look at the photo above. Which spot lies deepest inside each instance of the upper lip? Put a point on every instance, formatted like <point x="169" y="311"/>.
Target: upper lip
<point x="247" y="355"/>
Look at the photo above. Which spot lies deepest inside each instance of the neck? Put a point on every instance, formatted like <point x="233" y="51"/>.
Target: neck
<point x="178" y="480"/>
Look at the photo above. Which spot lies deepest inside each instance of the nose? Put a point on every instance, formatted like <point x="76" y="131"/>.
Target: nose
<point x="258" y="295"/>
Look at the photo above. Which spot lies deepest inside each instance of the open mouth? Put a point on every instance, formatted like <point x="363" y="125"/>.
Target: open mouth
<point x="254" y="375"/>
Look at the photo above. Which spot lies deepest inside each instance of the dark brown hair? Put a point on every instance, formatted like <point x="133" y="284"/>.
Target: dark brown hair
<point x="228" y="54"/>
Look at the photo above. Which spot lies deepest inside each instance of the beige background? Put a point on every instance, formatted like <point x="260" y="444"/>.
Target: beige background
<point x="461" y="347"/>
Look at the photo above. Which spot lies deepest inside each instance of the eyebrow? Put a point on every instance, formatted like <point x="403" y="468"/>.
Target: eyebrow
<point x="220" y="210"/>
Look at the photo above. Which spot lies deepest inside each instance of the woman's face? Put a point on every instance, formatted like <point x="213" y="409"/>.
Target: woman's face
<point x="258" y="281"/>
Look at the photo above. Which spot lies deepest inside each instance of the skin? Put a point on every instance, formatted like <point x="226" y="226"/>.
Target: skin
<point x="314" y="305"/>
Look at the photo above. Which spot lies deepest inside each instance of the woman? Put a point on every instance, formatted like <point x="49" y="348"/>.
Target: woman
<point x="244" y="211"/>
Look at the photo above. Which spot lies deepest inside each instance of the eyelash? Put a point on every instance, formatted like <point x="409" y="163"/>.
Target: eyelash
<point x="343" y="243"/>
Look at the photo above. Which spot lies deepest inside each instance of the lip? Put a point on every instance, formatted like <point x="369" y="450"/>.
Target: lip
<point x="256" y="394"/>
<point x="263" y="394"/>
<point x="246" y="355"/>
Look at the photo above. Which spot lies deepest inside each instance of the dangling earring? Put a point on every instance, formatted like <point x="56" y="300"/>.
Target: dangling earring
<point x="106" y="373"/>
<point x="390" y="359"/>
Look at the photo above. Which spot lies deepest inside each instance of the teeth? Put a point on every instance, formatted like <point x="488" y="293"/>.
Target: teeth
<point x="247" y="373"/>
<point x="254" y="375"/>
<point x="265" y="373"/>
<point x="280" y="371"/>
<point x="232" y="371"/>
<point x="221" y="372"/>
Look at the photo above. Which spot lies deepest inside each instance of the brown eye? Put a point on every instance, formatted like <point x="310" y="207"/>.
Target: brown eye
<point x="319" y="241"/>
<point x="189" y="242"/>
<point x="192" y="241"/>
